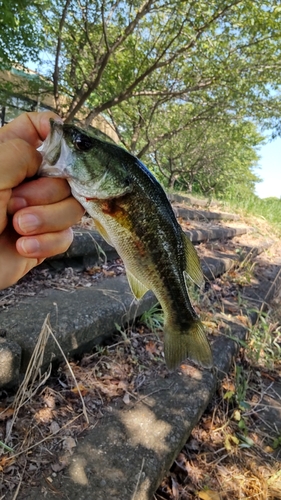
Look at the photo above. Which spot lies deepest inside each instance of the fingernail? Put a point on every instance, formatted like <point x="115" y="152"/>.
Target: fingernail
<point x="30" y="245"/>
<point x="28" y="222"/>
<point x="16" y="204"/>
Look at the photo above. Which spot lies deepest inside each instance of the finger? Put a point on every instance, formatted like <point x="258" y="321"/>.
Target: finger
<point x="45" y="245"/>
<point x="31" y="127"/>
<point x="42" y="191"/>
<point x="4" y="199"/>
<point x="18" y="161"/>
<point x="13" y="265"/>
<point x="48" y="218"/>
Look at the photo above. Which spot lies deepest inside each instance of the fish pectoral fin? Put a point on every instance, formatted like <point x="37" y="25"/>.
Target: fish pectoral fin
<point x="193" y="269"/>
<point x="136" y="286"/>
<point x="103" y="232"/>
<point x="192" y="344"/>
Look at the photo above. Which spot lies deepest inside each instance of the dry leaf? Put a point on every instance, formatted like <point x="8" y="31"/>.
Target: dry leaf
<point x="6" y="462"/>
<point x="57" y="467"/>
<point x="108" y="274"/>
<point x="83" y="390"/>
<point x="93" y="270"/>
<point x="44" y="415"/>
<point x="5" y="413"/>
<point x="217" y="288"/>
<point x="69" y="443"/>
<point x="209" y="495"/>
<point x="175" y="489"/>
<point x="126" y="399"/>
<point x="151" y="347"/>
<point x="54" y="427"/>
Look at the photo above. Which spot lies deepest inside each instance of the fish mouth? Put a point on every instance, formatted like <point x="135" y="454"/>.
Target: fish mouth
<point x="57" y="156"/>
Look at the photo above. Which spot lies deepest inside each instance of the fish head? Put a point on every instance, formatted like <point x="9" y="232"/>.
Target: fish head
<point x="87" y="162"/>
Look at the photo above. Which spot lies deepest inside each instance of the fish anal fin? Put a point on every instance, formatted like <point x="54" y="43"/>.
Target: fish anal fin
<point x="193" y="269"/>
<point x="192" y="344"/>
<point x="136" y="286"/>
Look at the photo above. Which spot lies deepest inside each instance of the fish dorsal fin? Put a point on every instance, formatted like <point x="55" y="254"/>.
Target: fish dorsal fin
<point x="193" y="269"/>
<point x="137" y="287"/>
<point x="103" y="232"/>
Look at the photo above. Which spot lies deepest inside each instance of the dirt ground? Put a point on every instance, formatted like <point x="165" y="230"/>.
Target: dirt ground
<point x="233" y="453"/>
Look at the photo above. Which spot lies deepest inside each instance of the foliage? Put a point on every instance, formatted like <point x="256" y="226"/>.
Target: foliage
<point x="107" y="52"/>
<point x="184" y="83"/>
<point x="211" y="158"/>
<point x="20" y="40"/>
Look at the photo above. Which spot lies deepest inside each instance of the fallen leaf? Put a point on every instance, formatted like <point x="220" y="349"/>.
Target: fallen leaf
<point x="6" y="462"/>
<point x="108" y="274"/>
<point x="93" y="270"/>
<point x="69" y="443"/>
<point x="54" y="427"/>
<point x="57" y="467"/>
<point x="175" y="489"/>
<point x="230" y="438"/>
<point x="44" y="415"/>
<point x="83" y="390"/>
<point x="126" y="399"/>
<point x="6" y="413"/>
<point x="217" y="288"/>
<point x="209" y="495"/>
<point x="151" y="347"/>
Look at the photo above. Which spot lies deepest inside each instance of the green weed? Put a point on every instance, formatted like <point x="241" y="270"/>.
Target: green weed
<point x="153" y="318"/>
<point x="264" y="342"/>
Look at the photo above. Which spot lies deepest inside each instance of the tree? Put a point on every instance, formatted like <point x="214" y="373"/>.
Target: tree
<point x="20" y="39"/>
<point x="210" y="159"/>
<point x="109" y="51"/>
<point x="177" y="78"/>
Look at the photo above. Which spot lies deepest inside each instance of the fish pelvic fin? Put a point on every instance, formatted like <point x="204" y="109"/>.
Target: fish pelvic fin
<point x="192" y="344"/>
<point x="138" y="288"/>
<point x="193" y="269"/>
<point x="102" y="231"/>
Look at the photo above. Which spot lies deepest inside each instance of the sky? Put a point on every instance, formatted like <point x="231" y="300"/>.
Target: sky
<point x="270" y="170"/>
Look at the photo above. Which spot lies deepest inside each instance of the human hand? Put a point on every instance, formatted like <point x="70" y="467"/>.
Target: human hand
<point x="35" y="215"/>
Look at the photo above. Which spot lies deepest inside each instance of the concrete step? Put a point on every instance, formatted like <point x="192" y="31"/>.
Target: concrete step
<point x="192" y="214"/>
<point x="92" y="248"/>
<point x="215" y="233"/>
<point x="192" y="200"/>
<point x="81" y="318"/>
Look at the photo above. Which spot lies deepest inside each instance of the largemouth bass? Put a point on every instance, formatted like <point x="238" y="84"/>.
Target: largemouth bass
<point x="132" y="213"/>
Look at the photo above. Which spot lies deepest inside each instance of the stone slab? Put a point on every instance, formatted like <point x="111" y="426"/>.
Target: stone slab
<point x="83" y="317"/>
<point x="10" y="362"/>
<point x="215" y="233"/>
<point x="80" y="319"/>
<point x="88" y="242"/>
<point x="126" y="455"/>
<point x="187" y="213"/>
<point x="191" y="200"/>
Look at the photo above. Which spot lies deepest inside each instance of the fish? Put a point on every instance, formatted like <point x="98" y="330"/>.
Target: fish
<point x="131" y="211"/>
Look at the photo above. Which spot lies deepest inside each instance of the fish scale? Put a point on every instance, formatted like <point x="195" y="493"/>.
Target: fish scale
<point x="133" y="214"/>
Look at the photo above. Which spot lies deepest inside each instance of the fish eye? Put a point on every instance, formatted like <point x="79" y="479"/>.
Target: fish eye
<point x="82" y="142"/>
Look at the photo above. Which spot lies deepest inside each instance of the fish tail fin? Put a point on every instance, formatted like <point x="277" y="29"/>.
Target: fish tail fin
<point x="191" y="343"/>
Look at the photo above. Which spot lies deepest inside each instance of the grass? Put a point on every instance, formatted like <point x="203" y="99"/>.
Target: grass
<point x="268" y="208"/>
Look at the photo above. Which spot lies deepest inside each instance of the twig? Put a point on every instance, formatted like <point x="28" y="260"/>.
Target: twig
<point x="19" y="484"/>
<point x="26" y="390"/>
<point x="26" y="450"/>
<point x="74" y="378"/>
<point x="139" y="477"/>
